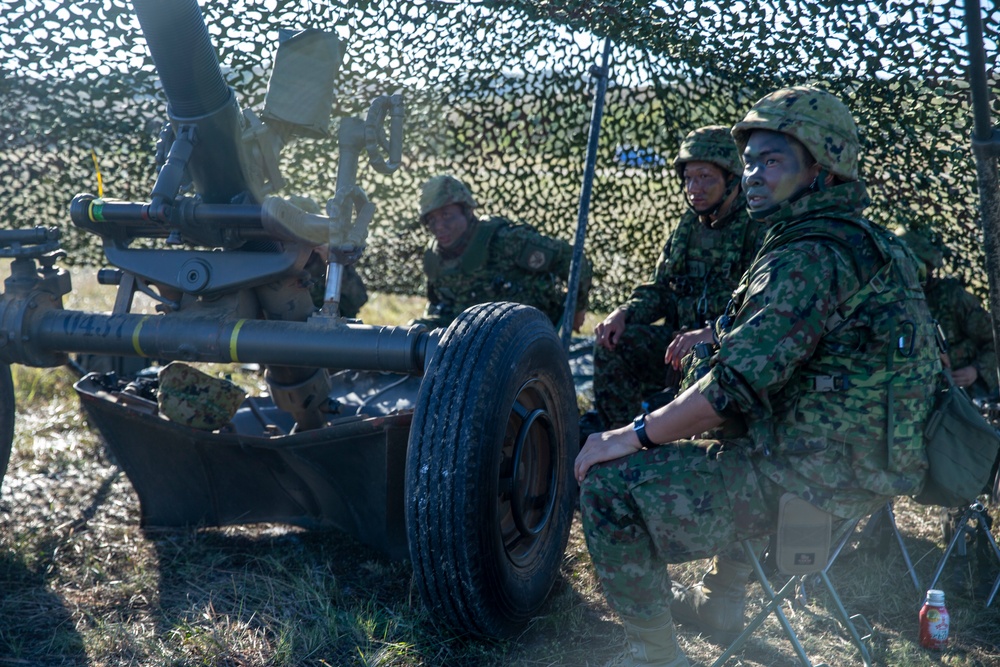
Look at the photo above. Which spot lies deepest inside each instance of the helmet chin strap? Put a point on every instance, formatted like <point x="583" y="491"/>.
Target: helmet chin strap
<point x="818" y="185"/>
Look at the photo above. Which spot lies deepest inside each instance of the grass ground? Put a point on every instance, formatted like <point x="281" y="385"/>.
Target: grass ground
<point x="82" y="584"/>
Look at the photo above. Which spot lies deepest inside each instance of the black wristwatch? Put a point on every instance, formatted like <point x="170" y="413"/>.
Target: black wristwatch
<point x="639" y="426"/>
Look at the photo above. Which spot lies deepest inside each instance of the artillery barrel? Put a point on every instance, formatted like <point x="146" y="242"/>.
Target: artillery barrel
<point x="307" y="344"/>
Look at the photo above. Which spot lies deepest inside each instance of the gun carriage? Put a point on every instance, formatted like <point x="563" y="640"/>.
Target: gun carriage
<point x="473" y="482"/>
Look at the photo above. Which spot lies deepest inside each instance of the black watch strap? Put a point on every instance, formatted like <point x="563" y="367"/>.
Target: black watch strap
<point x="639" y="426"/>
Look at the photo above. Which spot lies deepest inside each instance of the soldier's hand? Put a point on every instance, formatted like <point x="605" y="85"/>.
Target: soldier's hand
<point x="682" y="343"/>
<point x="578" y="319"/>
<point x="610" y="331"/>
<point x="964" y="377"/>
<point x="605" y="446"/>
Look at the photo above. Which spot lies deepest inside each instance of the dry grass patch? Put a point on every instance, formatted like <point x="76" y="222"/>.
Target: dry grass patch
<point x="82" y="584"/>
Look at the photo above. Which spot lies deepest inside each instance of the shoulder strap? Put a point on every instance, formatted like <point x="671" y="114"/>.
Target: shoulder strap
<point x="810" y="229"/>
<point x="432" y="264"/>
<point x="679" y="240"/>
<point x="478" y="250"/>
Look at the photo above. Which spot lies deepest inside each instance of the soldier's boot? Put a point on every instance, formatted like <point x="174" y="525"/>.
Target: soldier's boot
<point x="651" y="643"/>
<point x="716" y="604"/>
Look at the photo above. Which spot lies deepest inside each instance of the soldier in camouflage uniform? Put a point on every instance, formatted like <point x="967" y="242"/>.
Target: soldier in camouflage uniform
<point x="972" y="362"/>
<point x="472" y="261"/>
<point x="700" y="265"/>
<point x="828" y="354"/>
<point x="971" y="358"/>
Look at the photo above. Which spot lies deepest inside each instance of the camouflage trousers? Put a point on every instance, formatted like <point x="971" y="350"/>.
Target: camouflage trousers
<point x="623" y="377"/>
<point x="680" y="502"/>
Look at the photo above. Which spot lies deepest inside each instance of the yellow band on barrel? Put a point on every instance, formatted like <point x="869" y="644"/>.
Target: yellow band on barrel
<point x="135" y="337"/>
<point x="232" y="340"/>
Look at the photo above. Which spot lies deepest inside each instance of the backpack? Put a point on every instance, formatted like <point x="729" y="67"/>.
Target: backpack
<point x="962" y="449"/>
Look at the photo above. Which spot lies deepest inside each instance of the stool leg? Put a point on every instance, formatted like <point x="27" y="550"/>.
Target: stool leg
<point x="996" y="551"/>
<point x="773" y="605"/>
<point x="846" y="620"/>
<point x="959" y="534"/>
<point x="902" y="548"/>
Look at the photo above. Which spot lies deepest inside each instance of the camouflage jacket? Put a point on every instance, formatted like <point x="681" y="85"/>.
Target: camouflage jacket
<point x="967" y="327"/>
<point x="503" y="262"/>
<point x="829" y="354"/>
<point x="697" y="270"/>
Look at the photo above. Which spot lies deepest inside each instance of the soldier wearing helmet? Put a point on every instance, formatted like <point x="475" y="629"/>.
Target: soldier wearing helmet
<point x="701" y="261"/>
<point x="827" y="353"/>
<point x="472" y="261"/>
<point x="971" y="358"/>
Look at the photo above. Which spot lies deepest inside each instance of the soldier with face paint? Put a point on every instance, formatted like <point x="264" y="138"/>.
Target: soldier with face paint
<point x="472" y="261"/>
<point x="827" y="352"/>
<point x="701" y="262"/>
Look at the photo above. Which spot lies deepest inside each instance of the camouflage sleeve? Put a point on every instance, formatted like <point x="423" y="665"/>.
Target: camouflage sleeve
<point x="654" y="299"/>
<point x="439" y="311"/>
<point x="791" y="294"/>
<point x="537" y="253"/>
<point x="977" y="325"/>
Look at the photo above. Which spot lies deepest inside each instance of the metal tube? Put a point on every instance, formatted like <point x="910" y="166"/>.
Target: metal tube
<point x="985" y="145"/>
<point x="306" y="344"/>
<point x="601" y="74"/>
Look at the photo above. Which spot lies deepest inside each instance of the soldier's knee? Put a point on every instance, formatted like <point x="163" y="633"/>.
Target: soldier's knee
<point x="602" y="483"/>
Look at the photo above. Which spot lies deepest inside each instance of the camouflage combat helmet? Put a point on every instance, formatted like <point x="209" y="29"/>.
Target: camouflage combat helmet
<point x="441" y="191"/>
<point x="816" y="118"/>
<point x="714" y="144"/>
<point x="921" y="246"/>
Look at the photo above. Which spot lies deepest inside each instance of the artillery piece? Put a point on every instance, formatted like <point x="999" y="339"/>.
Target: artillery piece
<point x="473" y="483"/>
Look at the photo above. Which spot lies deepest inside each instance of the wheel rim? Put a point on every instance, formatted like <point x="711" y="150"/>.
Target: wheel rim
<point x="528" y="467"/>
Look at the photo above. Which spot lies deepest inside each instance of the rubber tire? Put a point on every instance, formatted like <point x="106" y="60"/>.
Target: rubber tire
<point x="6" y="418"/>
<point x="477" y="569"/>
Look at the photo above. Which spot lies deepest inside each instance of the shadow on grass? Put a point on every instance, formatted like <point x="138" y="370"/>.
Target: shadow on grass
<point x="280" y="596"/>
<point x="35" y="626"/>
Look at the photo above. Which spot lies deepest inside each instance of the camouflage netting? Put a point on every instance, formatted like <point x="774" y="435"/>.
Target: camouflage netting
<point x="500" y="93"/>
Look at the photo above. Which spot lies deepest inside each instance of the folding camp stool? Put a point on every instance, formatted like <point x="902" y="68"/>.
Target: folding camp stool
<point x="884" y="519"/>
<point x="976" y="511"/>
<point x="805" y="547"/>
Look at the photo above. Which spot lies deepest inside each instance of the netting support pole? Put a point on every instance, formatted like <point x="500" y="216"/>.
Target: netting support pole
<point x="986" y="148"/>
<point x="600" y="74"/>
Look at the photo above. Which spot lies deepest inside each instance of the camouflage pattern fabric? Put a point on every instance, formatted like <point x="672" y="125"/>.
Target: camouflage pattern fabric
<point x="816" y="118"/>
<point x="688" y="500"/>
<point x="691" y="286"/>
<point x="623" y="377"/>
<point x="794" y="328"/>
<point x="967" y="327"/>
<point x="190" y="397"/>
<point x="817" y="391"/>
<point x="712" y="143"/>
<point x="503" y="262"/>
<point x="444" y="190"/>
<point x="922" y="247"/>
